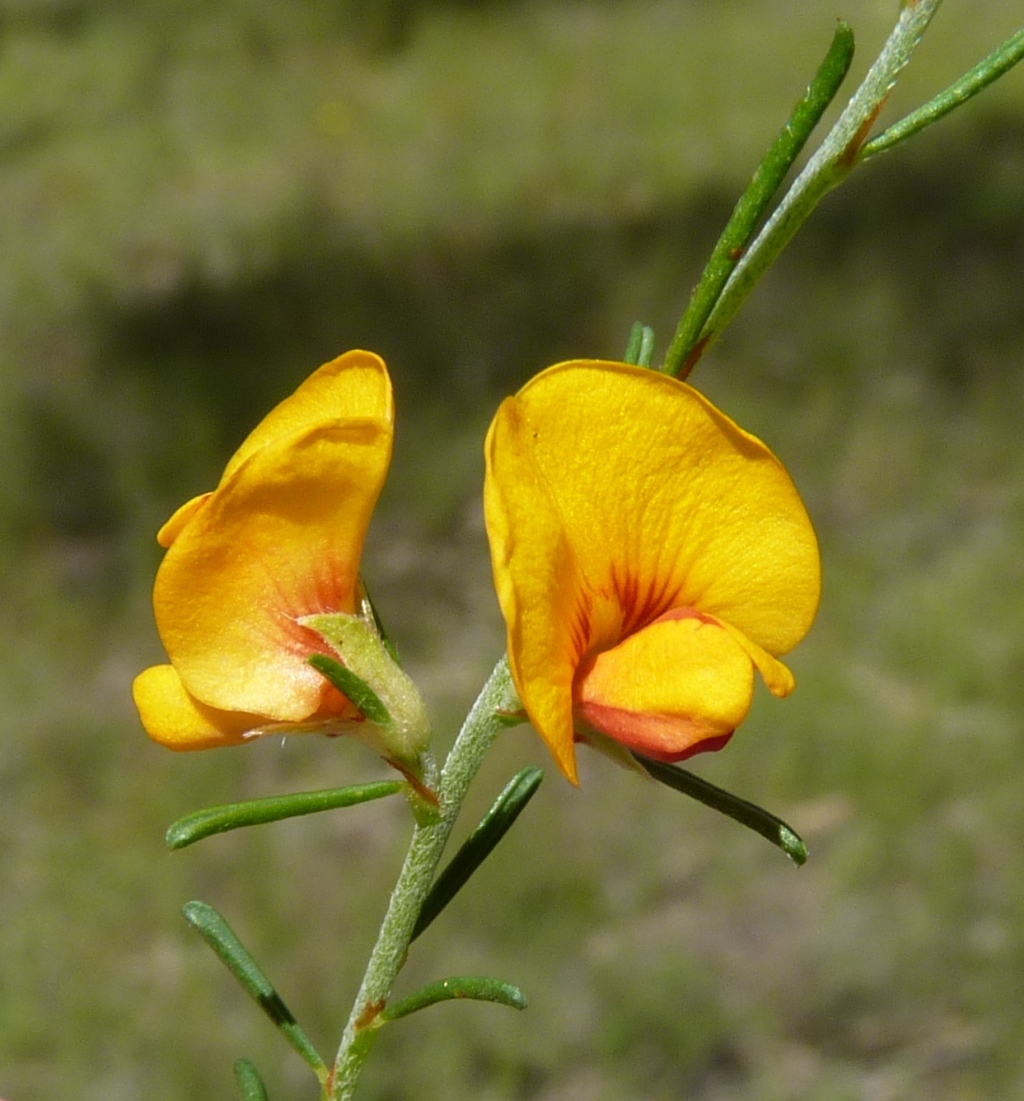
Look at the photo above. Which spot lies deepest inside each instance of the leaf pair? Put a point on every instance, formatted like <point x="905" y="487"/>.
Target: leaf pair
<point x="239" y="961"/>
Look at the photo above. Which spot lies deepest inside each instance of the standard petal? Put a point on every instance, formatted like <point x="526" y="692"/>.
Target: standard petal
<point x="279" y="539"/>
<point x="667" y="689"/>
<point x="177" y="720"/>
<point x="667" y="503"/>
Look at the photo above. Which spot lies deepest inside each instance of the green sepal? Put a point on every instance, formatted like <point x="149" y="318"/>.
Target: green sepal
<point x="446" y="990"/>
<point x="250" y="1084"/>
<point x="396" y="722"/>
<point x="233" y="954"/>
<point x="355" y="688"/>
<point x="748" y="814"/>
<point x="368" y="610"/>
<point x="232" y="816"/>
<point x="479" y="845"/>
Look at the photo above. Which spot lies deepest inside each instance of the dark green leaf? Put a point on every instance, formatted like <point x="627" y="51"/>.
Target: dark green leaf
<point x="748" y="814"/>
<point x="234" y="955"/>
<point x="378" y="623"/>
<point x="479" y="845"/>
<point x="355" y="688"/>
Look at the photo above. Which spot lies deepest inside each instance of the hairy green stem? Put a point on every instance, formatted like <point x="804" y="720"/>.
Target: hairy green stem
<point x="482" y="726"/>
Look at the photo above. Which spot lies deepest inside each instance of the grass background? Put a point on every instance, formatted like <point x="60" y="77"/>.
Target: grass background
<point x="203" y="201"/>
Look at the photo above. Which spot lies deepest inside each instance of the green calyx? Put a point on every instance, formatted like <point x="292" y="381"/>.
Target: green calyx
<point x="366" y="671"/>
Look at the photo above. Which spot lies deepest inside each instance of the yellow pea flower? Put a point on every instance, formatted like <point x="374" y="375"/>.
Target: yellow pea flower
<point x="278" y="540"/>
<point x="648" y="555"/>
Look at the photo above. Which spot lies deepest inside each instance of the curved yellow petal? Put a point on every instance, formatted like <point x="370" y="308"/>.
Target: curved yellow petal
<point x="351" y="386"/>
<point x="181" y="516"/>
<point x="538" y="581"/>
<point x="177" y="720"/>
<point x="668" y="688"/>
<point x="279" y="539"/>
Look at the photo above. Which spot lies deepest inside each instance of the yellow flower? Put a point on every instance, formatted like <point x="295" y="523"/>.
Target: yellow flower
<point x="648" y="554"/>
<point x="279" y="539"/>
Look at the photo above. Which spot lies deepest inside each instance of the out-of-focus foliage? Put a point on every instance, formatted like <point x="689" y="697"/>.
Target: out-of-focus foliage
<point x="199" y="203"/>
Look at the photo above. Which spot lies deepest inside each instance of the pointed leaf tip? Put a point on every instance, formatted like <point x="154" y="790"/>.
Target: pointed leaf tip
<point x="250" y="1084"/>
<point x="792" y="845"/>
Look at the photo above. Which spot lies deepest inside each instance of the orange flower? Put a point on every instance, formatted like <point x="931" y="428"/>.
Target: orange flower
<point x="648" y="555"/>
<point x="278" y="540"/>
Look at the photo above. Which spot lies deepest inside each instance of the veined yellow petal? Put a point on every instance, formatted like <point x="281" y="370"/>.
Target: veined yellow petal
<point x="666" y="689"/>
<point x="177" y="720"/>
<point x="279" y="539"/>
<point x="667" y="503"/>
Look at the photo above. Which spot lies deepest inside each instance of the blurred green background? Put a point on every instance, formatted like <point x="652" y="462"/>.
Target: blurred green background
<point x="202" y="201"/>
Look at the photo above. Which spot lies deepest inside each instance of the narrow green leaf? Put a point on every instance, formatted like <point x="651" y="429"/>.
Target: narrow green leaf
<point x="999" y="61"/>
<point x="646" y="347"/>
<point x="255" y="812"/>
<point x="250" y="1084"/>
<point x="234" y="955"/>
<point x="632" y="353"/>
<point x="479" y="845"/>
<point x="475" y="989"/>
<point x="747" y="814"/>
<point x="688" y="341"/>
<point x="640" y="347"/>
<point x="357" y="690"/>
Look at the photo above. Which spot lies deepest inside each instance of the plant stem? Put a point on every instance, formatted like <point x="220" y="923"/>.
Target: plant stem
<point x="830" y="165"/>
<point x="478" y="733"/>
